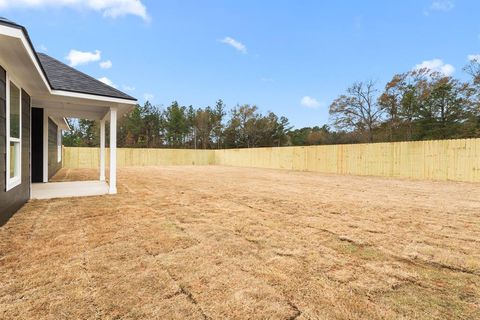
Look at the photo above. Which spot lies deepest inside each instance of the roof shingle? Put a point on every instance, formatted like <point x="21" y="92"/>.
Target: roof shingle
<point x="63" y="77"/>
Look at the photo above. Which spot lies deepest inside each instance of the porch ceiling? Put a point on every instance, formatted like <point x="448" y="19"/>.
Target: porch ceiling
<point x="72" y="108"/>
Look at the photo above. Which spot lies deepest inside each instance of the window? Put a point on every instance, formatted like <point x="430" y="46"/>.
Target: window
<point x="59" y="145"/>
<point x="14" y="135"/>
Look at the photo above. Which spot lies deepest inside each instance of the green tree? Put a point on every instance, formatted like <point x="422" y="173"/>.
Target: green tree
<point x="175" y="125"/>
<point x="204" y="123"/>
<point x="73" y="137"/>
<point x="218" y="126"/>
<point x="281" y="128"/>
<point x="446" y="109"/>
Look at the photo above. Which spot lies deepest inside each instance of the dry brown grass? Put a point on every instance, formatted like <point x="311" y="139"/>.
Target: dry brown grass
<point x="222" y="242"/>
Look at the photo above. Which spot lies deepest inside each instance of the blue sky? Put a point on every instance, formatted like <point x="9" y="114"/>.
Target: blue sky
<point x="291" y="57"/>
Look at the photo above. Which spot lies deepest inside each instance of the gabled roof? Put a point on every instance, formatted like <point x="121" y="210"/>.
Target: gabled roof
<point x="63" y="77"/>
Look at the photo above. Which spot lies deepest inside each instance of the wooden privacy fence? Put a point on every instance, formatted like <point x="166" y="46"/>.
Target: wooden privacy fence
<point x="128" y="157"/>
<point x="457" y="160"/>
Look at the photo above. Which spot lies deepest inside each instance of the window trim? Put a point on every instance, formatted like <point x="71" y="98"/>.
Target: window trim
<point x="17" y="180"/>
<point x="59" y="145"/>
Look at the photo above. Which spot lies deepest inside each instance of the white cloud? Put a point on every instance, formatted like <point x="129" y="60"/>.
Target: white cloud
<point x="109" y="8"/>
<point x="107" y="82"/>
<point x="310" y="102"/>
<point x="128" y="88"/>
<point x="474" y="57"/>
<point x="440" y="6"/>
<point x="148" y="96"/>
<point x="76" y="57"/>
<point x="436" y="65"/>
<point x="266" y="79"/>
<point x="235" y="44"/>
<point x="107" y="64"/>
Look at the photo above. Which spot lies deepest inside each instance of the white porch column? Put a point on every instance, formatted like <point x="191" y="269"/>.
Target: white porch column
<point x="45" y="145"/>
<point x="102" y="150"/>
<point x="113" y="150"/>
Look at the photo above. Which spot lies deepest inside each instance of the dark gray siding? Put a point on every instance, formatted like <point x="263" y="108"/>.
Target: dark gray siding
<point x="53" y="164"/>
<point x="13" y="200"/>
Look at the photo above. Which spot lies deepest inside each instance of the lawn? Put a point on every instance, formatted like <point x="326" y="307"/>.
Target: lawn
<point x="235" y="243"/>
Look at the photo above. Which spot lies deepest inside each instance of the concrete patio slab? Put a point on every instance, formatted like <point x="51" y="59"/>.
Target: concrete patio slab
<point x="68" y="189"/>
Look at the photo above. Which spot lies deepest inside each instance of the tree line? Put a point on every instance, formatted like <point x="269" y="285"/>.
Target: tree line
<point x="416" y="105"/>
<point x="177" y="126"/>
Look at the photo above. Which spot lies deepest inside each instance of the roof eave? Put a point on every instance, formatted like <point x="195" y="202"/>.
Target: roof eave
<point x="85" y="95"/>
<point x="27" y="37"/>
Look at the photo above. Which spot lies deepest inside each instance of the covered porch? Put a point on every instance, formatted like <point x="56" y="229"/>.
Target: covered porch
<point x="54" y="91"/>
<point x="73" y="107"/>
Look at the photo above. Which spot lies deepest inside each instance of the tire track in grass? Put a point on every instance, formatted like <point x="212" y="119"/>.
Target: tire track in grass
<point x="86" y="272"/>
<point x="183" y="290"/>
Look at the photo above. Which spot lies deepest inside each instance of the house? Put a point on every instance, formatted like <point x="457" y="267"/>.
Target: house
<point x="37" y="93"/>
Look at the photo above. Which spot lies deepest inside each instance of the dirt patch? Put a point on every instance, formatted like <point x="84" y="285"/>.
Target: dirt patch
<point x="236" y="243"/>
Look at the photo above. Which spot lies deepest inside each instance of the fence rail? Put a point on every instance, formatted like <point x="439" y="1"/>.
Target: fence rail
<point x="457" y="160"/>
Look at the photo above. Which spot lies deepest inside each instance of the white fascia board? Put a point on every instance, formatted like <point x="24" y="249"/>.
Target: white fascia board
<point x="18" y="33"/>
<point x="66" y="124"/>
<point x="61" y="122"/>
<point x="90" y="115"/>
<point x="70" y="94"/>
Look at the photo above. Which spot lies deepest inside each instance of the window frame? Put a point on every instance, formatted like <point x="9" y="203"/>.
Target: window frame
<point x="17" y="180"/>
